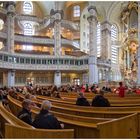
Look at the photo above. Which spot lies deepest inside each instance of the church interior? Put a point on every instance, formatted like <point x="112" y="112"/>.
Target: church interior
<point x="77" y="61"/>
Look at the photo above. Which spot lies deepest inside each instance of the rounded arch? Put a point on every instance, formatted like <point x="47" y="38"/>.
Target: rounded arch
<point x="36" y="9"/>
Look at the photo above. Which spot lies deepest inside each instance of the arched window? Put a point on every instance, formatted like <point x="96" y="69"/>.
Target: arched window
<point x="76" y="11"/>
<point x="98" y="39"/>
<point x="28" y="28"/>
<point x="27" y="7"/>
<point x="114" y="48"/>
<point x="1" y="24"/>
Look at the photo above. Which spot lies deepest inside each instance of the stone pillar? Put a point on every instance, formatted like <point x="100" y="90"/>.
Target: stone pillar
<point x="128" y="59"/>
<point x="57" y="35"/>
<point x="93" y="71"/>
<point x="138" y="54"/>
<point x="11" y="78"/>
<point x="5" y="77"/>
<point x="57" y="78"/>
<point x="57" y="15"/>
<point x="10" y="26"/>
<point x="106" y="40"/>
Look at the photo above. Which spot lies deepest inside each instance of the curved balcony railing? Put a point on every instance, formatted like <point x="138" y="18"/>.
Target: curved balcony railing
<point x="70" y="25"/>
<point x="64" y="23"/>
<point x="46" y="23"/>
<point x="28" y="18"/>
<point x="71" y="43"/>
<point x="43" y="41"/>
<point x="43" y="62"/>
<point x="3" y="11"/>
<point x="36" y="62"/>
<point x="33" y="40"/>
<point x="105" y="63"/>
<point x="3" y="35"/>
<point x="16" y="66"/>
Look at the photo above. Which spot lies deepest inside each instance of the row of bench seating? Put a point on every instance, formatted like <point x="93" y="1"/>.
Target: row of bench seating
<point x="92" y="129"/>
<point x="12" y="127"/>
<point x="119" y="102"/>
<point x="109" y="112"/>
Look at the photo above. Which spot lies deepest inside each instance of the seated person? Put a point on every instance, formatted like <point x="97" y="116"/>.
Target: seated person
<point x="100" y="101"/>
<point x="81" y="100"/>
<point x="30" y="97"/>
<point x="57" y="94"/>
<point x="45" y="119"/>
<point x="121" y="90"/>
<point x="6" y="105"/>
<point x="25" y="113"/>
<point x="87" y="88"/>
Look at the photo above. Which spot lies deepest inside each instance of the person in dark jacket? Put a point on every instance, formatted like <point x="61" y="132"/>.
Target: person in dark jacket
<point x="25" y="114"/>
<point x="45" y="120"/>
<point x="100" y="101"/>
<point x="81" y="100"/>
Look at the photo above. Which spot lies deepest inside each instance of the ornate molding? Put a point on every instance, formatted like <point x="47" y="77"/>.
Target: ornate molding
<point x="28" y="18"/>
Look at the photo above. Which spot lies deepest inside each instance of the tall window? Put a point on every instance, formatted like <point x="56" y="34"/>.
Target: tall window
<point x="114" y="48"/>
<point x="27" y="25"/>
<point x="28" y="28"/>
<point x="27" y="7"/>
<point x="98" y="39"/>
<point x="76" y="11"/>
<point x="1" y="24"/>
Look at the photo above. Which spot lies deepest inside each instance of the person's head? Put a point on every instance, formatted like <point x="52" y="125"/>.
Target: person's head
<point x="81" y="94"/>
<point x="101" y="92"/>
<point x="27" y="96"/>
<point x="26" y="104"/>
<point x="46" y="105"/>
<point x="120" y="83"/>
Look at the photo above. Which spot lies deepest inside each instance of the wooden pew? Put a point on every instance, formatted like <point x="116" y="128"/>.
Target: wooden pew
<point x="93" y="130"/>
<point x="19" y="132"/>
<point x="114" y="103"/>
<point x="7" y="117"/>
<point x="21" y="129"/>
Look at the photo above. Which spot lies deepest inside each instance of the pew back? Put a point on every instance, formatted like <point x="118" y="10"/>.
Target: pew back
<point x="20" y="132"/>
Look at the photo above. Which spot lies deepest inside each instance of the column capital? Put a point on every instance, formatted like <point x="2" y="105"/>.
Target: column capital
<point x="106" y="26"/>
<point x="10" y="8"/>
<point x="92" y="10"/>
<point x="58" y="14"/>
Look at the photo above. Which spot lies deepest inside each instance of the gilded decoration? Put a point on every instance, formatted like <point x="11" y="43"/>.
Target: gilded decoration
<point x="130" y="43"/>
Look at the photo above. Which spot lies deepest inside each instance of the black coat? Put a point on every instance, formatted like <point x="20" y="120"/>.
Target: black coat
<point x="25" y="115"/>
<point x="100" y="101"/>
<point x="82" y="102"/>
<point x="45" y="120"/>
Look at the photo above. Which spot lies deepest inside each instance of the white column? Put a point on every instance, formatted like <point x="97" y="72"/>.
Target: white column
<point x="57" y="14"/>
<point x="5" y="77"/>
<point x="57" y="78"/>
<point x="11" y="78"/>
<point x="106" y="40"/>
<point x="93" y="71"/>
<point x="10" y="27"/>
<point x="57" y="37"/>
<point x="138" y="55"/>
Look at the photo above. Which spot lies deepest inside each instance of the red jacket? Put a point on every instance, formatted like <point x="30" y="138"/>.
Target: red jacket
<point x="121" y="90"/>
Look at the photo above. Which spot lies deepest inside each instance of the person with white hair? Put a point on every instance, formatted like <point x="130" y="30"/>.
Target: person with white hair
<point x="45" y="119"/>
